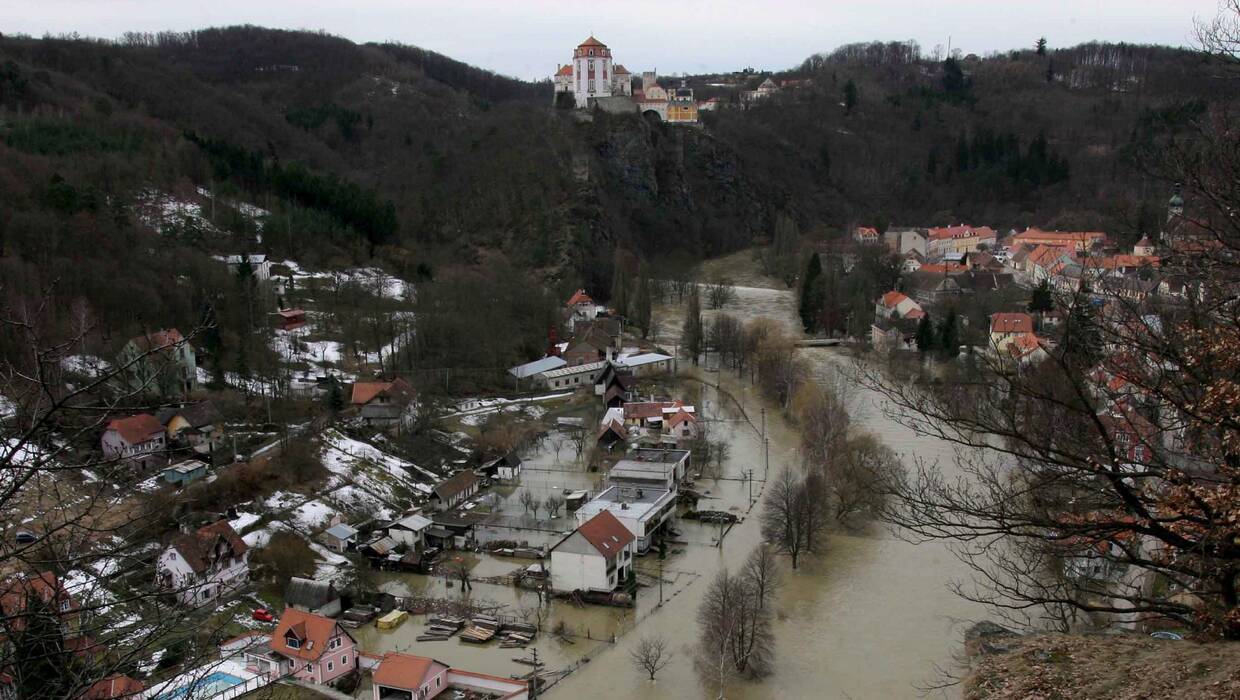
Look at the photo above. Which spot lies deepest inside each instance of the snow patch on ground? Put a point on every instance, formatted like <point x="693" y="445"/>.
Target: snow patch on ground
<point x="312" y="515"/>
<point x="244" y="520"/>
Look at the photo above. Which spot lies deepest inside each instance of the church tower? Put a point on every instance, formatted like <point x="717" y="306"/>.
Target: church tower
<point x="592" y="74"/>
<point x="1175" y="215"/>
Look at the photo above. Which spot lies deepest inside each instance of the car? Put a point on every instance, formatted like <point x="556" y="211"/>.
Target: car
<point x="263" y="615"/>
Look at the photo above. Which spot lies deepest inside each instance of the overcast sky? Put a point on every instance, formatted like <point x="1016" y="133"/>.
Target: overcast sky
<point x="527" y="38"/>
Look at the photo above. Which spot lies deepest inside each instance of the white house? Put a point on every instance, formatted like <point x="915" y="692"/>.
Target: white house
<point x="574" y="377"/>
<point x="410" y="530"/>
<point x="203" y="565"/>
<point x="1007" y="326"/>
<point x="260" y="266"/>
<point x="680" y="424"/>
<point x="647" y="363"/>
<point x="641" y="510"/>
<point x="597" y="556"/>
<point x="137" y="438"/>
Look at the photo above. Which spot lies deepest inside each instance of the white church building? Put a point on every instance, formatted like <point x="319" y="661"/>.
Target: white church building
<point x="592" y="74"/>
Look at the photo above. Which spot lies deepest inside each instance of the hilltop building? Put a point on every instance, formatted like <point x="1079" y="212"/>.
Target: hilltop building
<point x="593" y="80"/>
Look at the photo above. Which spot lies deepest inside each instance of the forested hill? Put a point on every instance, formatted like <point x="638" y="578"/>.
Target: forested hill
<point x="421" y="163"/>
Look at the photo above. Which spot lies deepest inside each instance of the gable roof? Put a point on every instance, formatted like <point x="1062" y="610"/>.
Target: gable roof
<point x="529" y="369"/>
<point x="566" y="69"/>
<point x="197" y="414"/>
<point x="606" y="533"/>
<point x="158" y="340"/>
<point x="365" y="392"/>
<point x="591" y="41"/>
<point x="615" y="427"/>
<point x="313" y="632"/>
<point x="681" y="416"/>
<point x="1007" y="322"/>
<point x="893" y="298"/>
<point x="941" y="233"/>
<point x="114" y="686"/>
<point x="198" y="548"/>
<point x="406" y="671"/>
<point x="579" y="297"/>
<point x="309" y="593"/>
<point x="455" y="484"/>
<point x="136" y="429"/>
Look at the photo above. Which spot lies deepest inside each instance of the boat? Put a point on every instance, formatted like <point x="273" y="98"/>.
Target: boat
<point x="392" y="620"/>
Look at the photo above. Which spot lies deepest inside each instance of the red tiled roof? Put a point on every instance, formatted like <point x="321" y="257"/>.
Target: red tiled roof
<point x="619" y="69"/>
<point x="866" y="232"/>
<point x="365" y="392"/>
<point x="1058" y="238"/>
<point x="942" y="267"/>
<point x="114" y="686"/>
<point x="647" y="409"/>
<point x="312" y="631"/>
<point x="591" y="41"/>
<point x="158" y="340"/>
<point x="1005" y="322"/>
<point x="406" y="671"/>
<point x="606" y="533"/>
<point x="679" y="417"/>
<point x="616" y="427"/>
<point x="566" y="69"/>
<point x="1024" y="344"/>
<point x="580" y="297"/>
<point x="198" y="548"/>
<point x="915" y="314"/>
<point x="941" y="233"/>
<point x="136" y="429"/>
<point x="16" y="591"/>
<point x="893" y="298"/>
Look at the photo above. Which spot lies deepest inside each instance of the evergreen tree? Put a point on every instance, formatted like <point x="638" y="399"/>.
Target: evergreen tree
<point x="692" y="336"/>
<point x="642" y="305"/>
<point x="781" y="256"/>
<point x="1082" y="340"/>
<point x="1040" y="47"/>
<point x="925" y="334"/>
<point x="335" y="397"/>
<point x="812" y="295"/>
<point x="850" y="96"/>
<point x="620" y="290"/>
<point x="1042" y="301"/>
<point x="949" y="335"/>
<point x="39" y="663"/>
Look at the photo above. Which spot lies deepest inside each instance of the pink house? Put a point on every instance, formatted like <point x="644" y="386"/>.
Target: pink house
<point x="311" y="647"/>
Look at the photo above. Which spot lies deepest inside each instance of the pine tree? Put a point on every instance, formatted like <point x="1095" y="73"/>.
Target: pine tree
<point x="691" y="336"/>
<point x="1042" y="301"/>
<point x="949" y="335"/>
<point x="812" y="295"/>
<point x="335" y="397"/>
<point x="642" y="305"/>
<point x="620" y="290"/>
<point x="1040" y="47"/>
<point x="850" y="96"/>
<point x="925" y="334"/>
<point x="1082" y="341"/>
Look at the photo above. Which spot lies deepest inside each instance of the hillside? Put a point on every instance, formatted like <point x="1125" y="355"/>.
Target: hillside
<point x="1100" y="666"/>
<point x="347" y="154"/>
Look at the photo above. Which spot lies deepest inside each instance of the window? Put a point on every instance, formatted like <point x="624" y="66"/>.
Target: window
<point x="307" y="667"/>
<point x="438" y="681"/>
<point x="344" y="660"/>
<point x="331" y="666"/>
<point x="292" y="642"/>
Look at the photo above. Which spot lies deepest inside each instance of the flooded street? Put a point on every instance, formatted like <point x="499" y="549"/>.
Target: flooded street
<point x="870" y="618"/>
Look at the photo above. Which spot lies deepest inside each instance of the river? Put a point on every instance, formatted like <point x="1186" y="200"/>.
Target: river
<point x="873" y="617"/>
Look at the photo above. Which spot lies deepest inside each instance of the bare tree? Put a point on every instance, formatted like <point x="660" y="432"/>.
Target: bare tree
<point x="529" y="502"/>
<point x="650" y="655"/>
<point x="793" y="518"/>
<point x="860" y="476"/>
<point x="734" y="621"/>
<point x="76" y="520"/>
<point x="720" y="292"/>
<point x="553" y="503"/>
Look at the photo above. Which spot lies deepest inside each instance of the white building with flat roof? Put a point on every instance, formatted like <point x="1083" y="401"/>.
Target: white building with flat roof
<point x="641" y="510"/>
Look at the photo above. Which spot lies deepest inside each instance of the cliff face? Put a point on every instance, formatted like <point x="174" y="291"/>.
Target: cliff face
<point x="1007" y="666"/>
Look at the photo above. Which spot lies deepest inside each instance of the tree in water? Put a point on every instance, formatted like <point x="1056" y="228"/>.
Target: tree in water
<point x="812" y="295"/>
<point x="925" y="334"/>
<point x="692" y="336"/>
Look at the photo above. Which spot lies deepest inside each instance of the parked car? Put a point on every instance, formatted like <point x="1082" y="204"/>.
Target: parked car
<point x="263" y="615"/>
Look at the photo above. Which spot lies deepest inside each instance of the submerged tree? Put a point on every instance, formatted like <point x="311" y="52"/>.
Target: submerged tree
<point x="692" y="335"/>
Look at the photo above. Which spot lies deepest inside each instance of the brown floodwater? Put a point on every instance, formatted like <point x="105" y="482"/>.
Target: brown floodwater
<point x="872" y="617"/>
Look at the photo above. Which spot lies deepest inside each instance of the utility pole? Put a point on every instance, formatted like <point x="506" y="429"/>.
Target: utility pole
<point x="766" y="456"/>
<point x="764" y="423"/>
<point x="534" y="677"/>
<point x="751" y="487"/>
<point x="660" y="583"/>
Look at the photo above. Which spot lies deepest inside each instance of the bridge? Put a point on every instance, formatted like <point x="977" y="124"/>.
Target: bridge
<point x="819" y="342"/>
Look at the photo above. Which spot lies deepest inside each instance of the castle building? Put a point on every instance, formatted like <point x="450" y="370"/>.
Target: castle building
<point x="591" y="74"/>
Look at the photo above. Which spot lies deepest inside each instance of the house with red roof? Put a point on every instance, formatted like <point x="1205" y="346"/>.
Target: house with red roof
<point x="961" y="238"/>
<point x="1027" y="349"/>
<point x="18" y="593"/>
<point x="162" y="363"/>
<point x="385" y="404"/>
<point x="580" y="308"/>
<point x="680" y="425"/>
<point x="1005" y="326"/>
<point x="897" y="305"/>
<point x="113" y="687"/>
<point x="402" y="676"/>
<point x="866" y="235"/>
<point x="597" y="556"/>
<point x="1076" y="241"/>
<point x="203" y="565"/>
<point x="310" y="647"/>
<point x="139" y="439"/>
